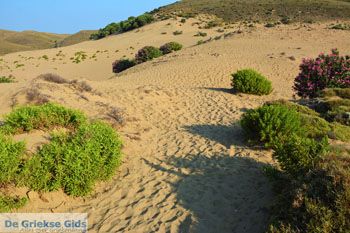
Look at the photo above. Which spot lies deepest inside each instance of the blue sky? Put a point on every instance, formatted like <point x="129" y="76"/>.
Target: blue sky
<point x="70" y="16"/>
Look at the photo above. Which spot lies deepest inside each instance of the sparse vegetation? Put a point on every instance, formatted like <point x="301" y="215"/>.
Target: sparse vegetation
<point x="251" y="82"/>
<point x="262" y="11"/>
<point x="202" y="34"/>
<point x="54" y="78"/>
<point x="340" y="26"/>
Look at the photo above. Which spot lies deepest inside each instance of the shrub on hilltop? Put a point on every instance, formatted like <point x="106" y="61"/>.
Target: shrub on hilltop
<point x="123" y="64"/>
<point x="123" y="26"/>
<point x="251" y="82"/>
<point x="147" y="53"/>
<point x="170" y="47"/>
<point x="326" y="71"/>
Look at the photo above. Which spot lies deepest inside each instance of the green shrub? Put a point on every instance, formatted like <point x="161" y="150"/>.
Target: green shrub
<point x="298" y="155"/>
<point x="9" y="203"/>
<point x="170" y="47"/>
<point x="272" y="125"/>
<point x="123" y="64"/>
<point x="75" y="161"/>
<point x="251" y="82"/>
<point x="317" y="201"/>
<point x="46" y="116"/>
<point x="10" y="158"/>
<point x="147" y="53"/>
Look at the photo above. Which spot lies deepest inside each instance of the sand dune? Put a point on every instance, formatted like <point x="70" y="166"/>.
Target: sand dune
<point x="186" y="167"/>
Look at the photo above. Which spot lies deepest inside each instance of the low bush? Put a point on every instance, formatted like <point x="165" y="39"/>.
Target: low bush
<point x="271" y="125"/>
<point x="147" y="53"/>
<point x="297" y="155"/>
<point x="75" y="161"/>
<point x="46" y="116"/>
<point x="123" y="64"/>
<point x="326" y="71"/>
<point x="170" y="47"/>
<point x="251" y="82"/>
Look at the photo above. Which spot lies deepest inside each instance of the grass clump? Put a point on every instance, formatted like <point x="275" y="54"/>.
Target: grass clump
<point x="147" y="53"/>
<point x="8" y="203"/>
<point x="170" y="47"/>
<point x="75" y="161"/>
<point x="251" y="82"/>
<point x="9" y="79"/>
<point x="123" y="64"/>
<point x="47" y="116"/>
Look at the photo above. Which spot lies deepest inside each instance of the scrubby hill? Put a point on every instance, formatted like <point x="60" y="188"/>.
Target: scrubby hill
<point x="265" y="10"/>
<point x="12" y="41"/>
<point x="76" y="38"/>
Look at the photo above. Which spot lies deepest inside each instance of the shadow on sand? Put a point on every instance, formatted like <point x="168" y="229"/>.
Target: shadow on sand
<point x="222" y="193"/>
<point x="226" y="135"/>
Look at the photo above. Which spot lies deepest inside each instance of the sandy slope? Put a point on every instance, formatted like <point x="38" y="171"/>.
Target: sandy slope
<point x="179" y="173"/>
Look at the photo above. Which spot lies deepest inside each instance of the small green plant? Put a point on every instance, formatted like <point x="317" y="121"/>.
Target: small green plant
<point x="147" y="53"/>
<point x="202" y="34"/>
<point x="123" y="64"/>
<point x="271" y="125"/>
<point x="45" y="57"/>
<point x="251" y="82"/>
<point x="183" y="20"/>
<point x="176" y="33"/>
<point x="9" y="79"/>
<point x="170" y="47"/>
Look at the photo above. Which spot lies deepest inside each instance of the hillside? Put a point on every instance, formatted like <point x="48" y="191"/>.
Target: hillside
<point x="76" y="38"/>
<point x="12" y="41"/>
<point x="264" y="11"/>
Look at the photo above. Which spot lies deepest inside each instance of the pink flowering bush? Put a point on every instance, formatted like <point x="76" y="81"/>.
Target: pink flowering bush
<point x="326" y="71"/>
